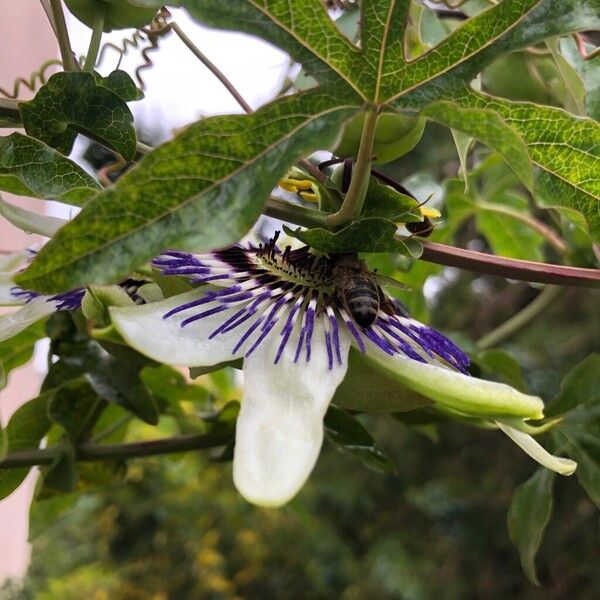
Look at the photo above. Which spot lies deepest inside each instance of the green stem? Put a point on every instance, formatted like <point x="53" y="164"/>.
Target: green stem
<point x="520" y="320"/>
<point x="97" y="30"/>
<point x="293" y="213"/>
<point x="62" y="35"/>
<point x="554" y="240"/>
<point x="355" y="197"/>
<point x="95" y="452"/>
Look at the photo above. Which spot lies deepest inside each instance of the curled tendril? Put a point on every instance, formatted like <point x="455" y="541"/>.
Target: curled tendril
<point x="146" y="39"/>
<point x="36" y="79"/>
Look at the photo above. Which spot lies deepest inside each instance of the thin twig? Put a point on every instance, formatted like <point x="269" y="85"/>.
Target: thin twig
<point x="516" y="323"/>
<point x="62" y="35"/>
<point x="95" y="452"/>
<point x="211" y="67"/>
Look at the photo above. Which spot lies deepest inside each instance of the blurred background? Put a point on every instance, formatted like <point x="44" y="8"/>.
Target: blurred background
<point x="175" y="528"/>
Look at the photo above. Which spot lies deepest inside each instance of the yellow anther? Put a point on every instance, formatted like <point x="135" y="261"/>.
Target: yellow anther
<point x="309" y="196"/>
<point x="301" y="184"/>
<point x="287" y="185"/>
<point x="432" y="213"/>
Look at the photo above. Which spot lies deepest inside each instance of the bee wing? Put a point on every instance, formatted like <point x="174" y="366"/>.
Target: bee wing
<point x="383" y="280"/>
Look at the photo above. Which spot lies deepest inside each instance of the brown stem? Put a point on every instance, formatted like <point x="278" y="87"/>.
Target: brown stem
<point x="211" y="67"/>
<point x="94" y="452"/>
<point x="511" y="268"/>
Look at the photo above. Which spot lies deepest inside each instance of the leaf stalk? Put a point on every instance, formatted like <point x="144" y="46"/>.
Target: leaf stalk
<point x="355" y="197"/>
<point x="62" y="36"/>
<point x="97" y="30"/>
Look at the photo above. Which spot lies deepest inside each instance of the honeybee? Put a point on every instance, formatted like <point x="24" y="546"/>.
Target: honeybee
<point x="359" y="290"/>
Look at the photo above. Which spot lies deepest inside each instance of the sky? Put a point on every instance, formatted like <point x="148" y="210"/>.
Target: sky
<point x="179" y="88"/>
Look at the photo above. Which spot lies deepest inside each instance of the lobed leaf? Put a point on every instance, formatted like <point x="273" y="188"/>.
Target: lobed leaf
<point x="202" y="190"/>
<point x="565" y="148"/>
<point x="459" y="48"/>
<point x="300" y="27"/>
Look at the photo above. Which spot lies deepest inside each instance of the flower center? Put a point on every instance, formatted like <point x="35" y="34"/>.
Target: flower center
<point x="299" y="266"/>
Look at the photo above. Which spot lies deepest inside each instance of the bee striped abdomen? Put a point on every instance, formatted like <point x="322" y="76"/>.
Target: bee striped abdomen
<point x="362" y="301"/>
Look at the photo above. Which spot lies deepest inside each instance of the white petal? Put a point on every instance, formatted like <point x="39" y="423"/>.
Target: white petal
<point x="166" y="341"/>
<point x="563" y="466"/>
<point x="280" y="425"/>
<point x="21" y="319"/>
<point x="457" y="391"/>
<point x="10" y="262"/>
<point x="6" y="298"/>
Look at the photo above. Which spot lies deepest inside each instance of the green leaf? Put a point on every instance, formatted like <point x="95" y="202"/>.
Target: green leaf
<point x="368" y="388"/>
<point x="350" y="435"/>
<point x="489" y="128"/>
<point x="588" y="468"/>
<point x="588" y="71"/>
<point x="461" y="54"/>
<point x="507" y="234"/>
<point x="580" y="386"/>
<point x="72" y="103"/>
<point x="574" y="94"/>
<point x="170" y="385"/>
<point x="503" y="31"/>
<point x="26" y="428"/>
<point x="208" y="187"/>
<point x="120" y="83"/>
<point x="113" y="378"/>
<point x="72" y="406"/>
<point x="43" y="514"/>
<point x="367" y="235"/>
<point x="564" y="147"/>
<point x="9" y="113"/>
<point x="528" y="515"/>
<point x="60" y="476"/>
<point x="385" y="202"/>
<point x="502" y="364"/>
<point x="28" y="167"/>
<point x="29" y="221"/>
<point x="17" y="350"/>
<point x="136" y="396"/>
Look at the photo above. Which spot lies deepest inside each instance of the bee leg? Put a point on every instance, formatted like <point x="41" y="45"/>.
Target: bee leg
<point x="385" y="303"/>
<point x="391" y="307"/>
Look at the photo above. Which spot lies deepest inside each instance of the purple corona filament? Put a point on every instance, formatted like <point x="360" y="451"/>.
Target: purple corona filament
<point x="71" y="300"/>
<point x="265" y="291"/>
